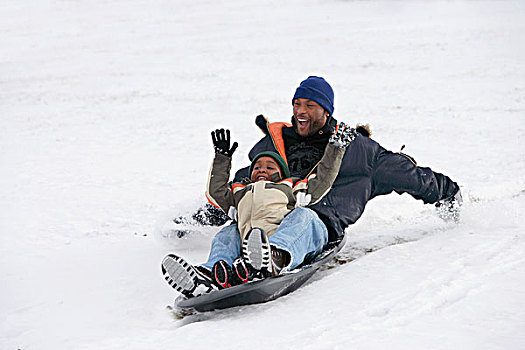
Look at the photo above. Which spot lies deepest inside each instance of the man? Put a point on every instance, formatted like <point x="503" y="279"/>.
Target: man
<point x="367" y="170"/>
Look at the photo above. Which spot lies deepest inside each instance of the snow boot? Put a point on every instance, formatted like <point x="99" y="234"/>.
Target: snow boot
<point x="183" y="226"/>
<point x="206" y="215"/>
<point x="222" y="274"/>
<point x="185" y="278"/>
<point x="448" y="209"/>
<point x="280" y="260"/>
<point x="242" y="273"/>
<point x="256" y="253"/>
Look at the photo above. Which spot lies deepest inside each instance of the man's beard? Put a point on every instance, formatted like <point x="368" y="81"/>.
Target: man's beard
<point x="313" y="127"/>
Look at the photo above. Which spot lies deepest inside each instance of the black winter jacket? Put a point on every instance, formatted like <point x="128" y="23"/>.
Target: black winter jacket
<point x="367" y="170"/>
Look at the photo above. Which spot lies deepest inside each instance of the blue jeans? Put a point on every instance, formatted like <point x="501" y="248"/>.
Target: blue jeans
<point x="301" y="233"/>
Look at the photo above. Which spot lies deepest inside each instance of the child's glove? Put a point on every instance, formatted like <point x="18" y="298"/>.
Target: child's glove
<point x="343" y="135"/>
<point x="302" y="199"/>
<point x="221" y="142"/>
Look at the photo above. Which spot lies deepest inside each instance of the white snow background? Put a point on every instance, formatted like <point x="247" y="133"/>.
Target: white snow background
<point x="105" y="113"/>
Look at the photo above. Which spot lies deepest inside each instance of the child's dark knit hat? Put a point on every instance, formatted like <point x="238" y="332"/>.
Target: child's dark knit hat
<point x="278" y="159"/>
<point x="318" y="90"/>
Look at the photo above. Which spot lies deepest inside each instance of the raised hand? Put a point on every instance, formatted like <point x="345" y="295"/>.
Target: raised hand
<point x="342" y="135"/>
<point x="221" y="142"/>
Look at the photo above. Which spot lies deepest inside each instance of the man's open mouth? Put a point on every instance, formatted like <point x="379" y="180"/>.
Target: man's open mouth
<point x="302" y="121"/>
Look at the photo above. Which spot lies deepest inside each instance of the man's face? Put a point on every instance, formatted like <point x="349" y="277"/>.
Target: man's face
<point x="309" y="116"/>
<point x="264" y="168"/>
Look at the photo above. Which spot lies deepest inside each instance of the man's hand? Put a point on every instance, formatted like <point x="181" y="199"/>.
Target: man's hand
<point x="342" y="135"/>
<point x="448" y="209"/>
<point x="221" y="142"/>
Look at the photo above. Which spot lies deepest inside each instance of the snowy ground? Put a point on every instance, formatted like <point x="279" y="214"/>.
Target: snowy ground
<point x="105" y="114"/>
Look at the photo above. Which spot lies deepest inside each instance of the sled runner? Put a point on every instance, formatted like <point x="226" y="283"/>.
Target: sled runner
<point x="259" y="291"/>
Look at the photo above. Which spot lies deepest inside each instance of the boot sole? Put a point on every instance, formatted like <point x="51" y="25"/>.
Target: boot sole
<point x="220" y="273"/>
<point x="256" y="250"/>
<point x="240" y="270"/>
<point x="179" y="274"/>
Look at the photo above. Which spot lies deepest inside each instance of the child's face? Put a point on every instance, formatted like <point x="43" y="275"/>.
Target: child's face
<point x="264" y="168"/>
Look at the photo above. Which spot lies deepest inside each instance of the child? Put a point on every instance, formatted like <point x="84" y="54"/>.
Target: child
<point x="264" y="199"/>
<point x="259" y="204"/>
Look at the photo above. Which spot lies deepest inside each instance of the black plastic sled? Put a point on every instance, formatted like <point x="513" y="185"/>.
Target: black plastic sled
<point x="258" y="291"/>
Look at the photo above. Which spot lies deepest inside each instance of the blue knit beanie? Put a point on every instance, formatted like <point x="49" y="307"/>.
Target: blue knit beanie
<point x="318" y="90"/>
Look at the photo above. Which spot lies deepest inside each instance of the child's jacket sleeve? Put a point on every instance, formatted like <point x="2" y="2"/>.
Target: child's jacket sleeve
<point x="318" y="184"/>
<point x="218" y="192"/>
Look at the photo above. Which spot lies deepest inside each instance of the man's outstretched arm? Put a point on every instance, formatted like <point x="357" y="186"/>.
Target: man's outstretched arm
<point x="400" y="173"/>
